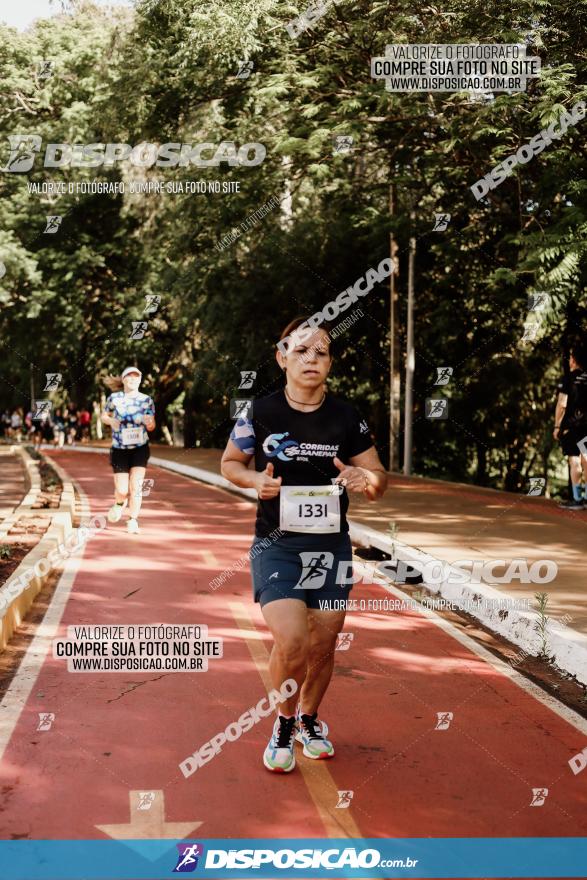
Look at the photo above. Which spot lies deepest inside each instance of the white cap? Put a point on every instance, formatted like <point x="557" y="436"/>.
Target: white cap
<point x="130" y="370"/>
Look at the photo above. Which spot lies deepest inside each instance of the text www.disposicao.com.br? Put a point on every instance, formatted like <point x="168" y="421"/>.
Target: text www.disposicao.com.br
<point x="135" y="664"/>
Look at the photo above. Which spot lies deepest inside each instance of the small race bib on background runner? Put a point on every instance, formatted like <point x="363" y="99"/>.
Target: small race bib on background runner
<point x="132" y="436"/>
<point x="310" y="509"/>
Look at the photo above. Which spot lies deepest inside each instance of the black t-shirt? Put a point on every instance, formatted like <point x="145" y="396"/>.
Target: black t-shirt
<point x="301" y="446"/>
<point x="575" y="387"/>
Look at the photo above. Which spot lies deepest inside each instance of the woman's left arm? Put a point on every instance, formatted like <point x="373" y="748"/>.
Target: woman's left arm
<point x="364" y="473"/>
<point x="149" y="418"/>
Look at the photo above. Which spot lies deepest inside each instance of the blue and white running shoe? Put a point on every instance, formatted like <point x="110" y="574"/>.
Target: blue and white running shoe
<point x="312" y="733"/>
<point x="279" y="755"/>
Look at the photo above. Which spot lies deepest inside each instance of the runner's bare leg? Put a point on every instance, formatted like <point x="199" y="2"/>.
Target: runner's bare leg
<point x="288" y="621"/>
<point x="137" y="475"/>
<point x="324" y="627"/>
<point x="120" y="488"/>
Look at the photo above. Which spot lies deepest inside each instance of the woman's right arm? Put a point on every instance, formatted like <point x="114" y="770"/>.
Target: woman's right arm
<point x="107" y="418"/>
<point x="561" y="405"/>
<point x="234" y="467"/>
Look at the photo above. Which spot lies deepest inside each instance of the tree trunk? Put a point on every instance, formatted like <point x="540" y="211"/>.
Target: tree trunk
<point x="481" y="475"/>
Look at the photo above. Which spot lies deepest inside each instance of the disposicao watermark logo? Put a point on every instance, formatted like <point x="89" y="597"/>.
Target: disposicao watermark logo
<point x="24" y="149"/>
<point x="462" y="571"/>
<point x="308" y="19"/>
<point x="304" y="858"/>
<point x="236" y="729"/>
<point x="315" y="567"/>
<point x="527" y="151"/>
<point x="343" y="301"/>
<point x="188" y="856"/>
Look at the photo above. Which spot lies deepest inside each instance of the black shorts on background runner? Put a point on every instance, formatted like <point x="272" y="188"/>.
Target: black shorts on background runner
<point x="570" y="439"/>
<point x="122" y="460"/>
<point x="573" y="427"/>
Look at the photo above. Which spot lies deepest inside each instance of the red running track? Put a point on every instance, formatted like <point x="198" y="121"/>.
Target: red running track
<point x="117" y="733"/>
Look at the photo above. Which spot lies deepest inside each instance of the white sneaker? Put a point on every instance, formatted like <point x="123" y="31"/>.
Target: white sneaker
<point x="312" y="734"/>
<point x="279" y="755"/>
<point x="132" y="527"/>
<point x="115" y="512"/>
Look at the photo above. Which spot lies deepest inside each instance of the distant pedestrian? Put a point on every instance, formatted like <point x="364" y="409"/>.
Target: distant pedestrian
<point x="16" y="425"/>
<point x="71" y="424"/>
<point x="5" y="425"/>
<point x="42" y="428"/>
<point x="84" y="420"/>
<point x="570" y="426"/>
<point x="130" y="414"/>
<point x="58" y="428"/>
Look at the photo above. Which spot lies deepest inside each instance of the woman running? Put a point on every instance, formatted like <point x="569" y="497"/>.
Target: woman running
<point x="71" y="424"/>
<point x="130" y="415"/>
<point x="43" y="429"/>
<point x="310" y="450"/>
<point x="59" y="429"/>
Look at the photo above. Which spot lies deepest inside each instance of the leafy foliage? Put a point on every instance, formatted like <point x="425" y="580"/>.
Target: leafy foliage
<point x="166" y="72"/>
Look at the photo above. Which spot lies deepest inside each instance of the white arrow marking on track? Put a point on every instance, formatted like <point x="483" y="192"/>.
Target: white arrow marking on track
<point x="148" y="824"/>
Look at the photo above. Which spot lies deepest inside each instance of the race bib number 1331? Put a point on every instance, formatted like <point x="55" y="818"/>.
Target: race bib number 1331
<point x="310" y="509"/>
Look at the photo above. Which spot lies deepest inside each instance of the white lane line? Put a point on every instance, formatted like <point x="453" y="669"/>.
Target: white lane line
<point x="27" y="673"/>
<point x="499" y="665"/>
<point x="209" y="558"/>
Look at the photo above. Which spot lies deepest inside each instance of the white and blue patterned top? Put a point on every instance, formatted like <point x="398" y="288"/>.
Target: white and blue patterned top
<point x="243" y="436"/>
<point x="130" y="410"/>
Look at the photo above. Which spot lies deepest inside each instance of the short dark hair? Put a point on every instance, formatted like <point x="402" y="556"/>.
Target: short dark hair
<point x="303" y="319"/>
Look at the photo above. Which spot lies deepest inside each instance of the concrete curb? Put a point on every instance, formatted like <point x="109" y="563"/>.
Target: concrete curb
<point x="60" y="528"/>
<point x="487" y="604"/>
<point x="34" y="481"/>
<point x="9" y="451"/>
<point x="210" y="477"/>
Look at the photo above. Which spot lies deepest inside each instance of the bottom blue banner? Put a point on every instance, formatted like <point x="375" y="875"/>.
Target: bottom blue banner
<point x="417" y="857"/>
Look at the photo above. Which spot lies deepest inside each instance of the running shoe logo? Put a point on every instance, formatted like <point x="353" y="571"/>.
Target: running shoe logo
<point x="276" y="445"/>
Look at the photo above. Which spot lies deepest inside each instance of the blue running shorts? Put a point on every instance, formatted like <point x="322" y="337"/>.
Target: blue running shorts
<point x="302" y="567"/>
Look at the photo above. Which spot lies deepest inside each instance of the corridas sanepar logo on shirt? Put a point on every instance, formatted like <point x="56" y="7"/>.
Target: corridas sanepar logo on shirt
<point x="278" y="446"/>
